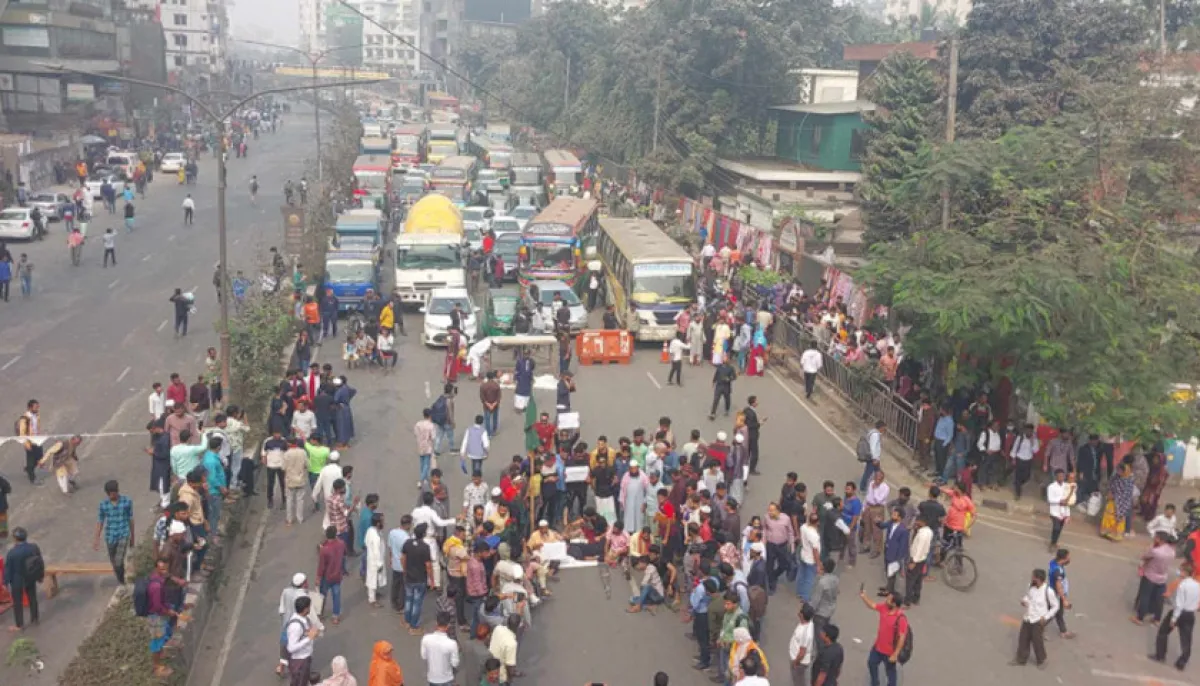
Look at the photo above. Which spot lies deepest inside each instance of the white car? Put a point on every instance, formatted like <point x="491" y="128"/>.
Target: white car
<point x="503" y="225"/>
<point x="473" y="237"/>
<point x="16" y="223"/>
<point x="477" y="217"/>
<point x="95" y="182"/>
<point x="437" y="315"/>
<point x="49" y="203"/>
<point x="546" y="292"/>
<point x="172" y="162"/>
<point x="523" y="213"/>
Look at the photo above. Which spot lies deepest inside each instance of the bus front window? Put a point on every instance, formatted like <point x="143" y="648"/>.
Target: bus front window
<point x="558" y="256"/>
<point x="664" y="288"/>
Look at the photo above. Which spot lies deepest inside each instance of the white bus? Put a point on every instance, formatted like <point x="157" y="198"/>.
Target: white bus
<point x="649" y="277"/>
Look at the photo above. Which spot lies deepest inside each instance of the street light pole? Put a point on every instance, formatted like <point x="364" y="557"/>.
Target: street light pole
<point x="219" y="119"/>
<point x="317" y="123"/>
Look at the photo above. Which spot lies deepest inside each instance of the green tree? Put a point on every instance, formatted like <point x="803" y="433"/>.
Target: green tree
<point x="906" y="93"/>
<point x="1024" y="61"/>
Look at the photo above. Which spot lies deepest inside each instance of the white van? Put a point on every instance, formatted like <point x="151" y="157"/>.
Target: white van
<point x="122" y="161"/>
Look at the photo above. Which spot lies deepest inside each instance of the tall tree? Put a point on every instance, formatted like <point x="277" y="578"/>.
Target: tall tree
<point x="905" y="92"/>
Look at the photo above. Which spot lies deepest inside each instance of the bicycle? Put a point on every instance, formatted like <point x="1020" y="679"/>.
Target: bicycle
<point x="958" y="569"/>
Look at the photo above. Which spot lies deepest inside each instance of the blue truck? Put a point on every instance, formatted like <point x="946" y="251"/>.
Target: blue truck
<point x="361" y="223"/>
<point x="350" y="274"/>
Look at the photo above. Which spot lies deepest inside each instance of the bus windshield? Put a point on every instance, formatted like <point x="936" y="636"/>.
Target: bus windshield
<point x="662" y="286"/>
<point x="526" y="176"/>
<point x="350" y="272"/>
<point x="553" y="256"/>
<point x="428" y="257"/>
<point x="444" y="148"/>
<point x="371" y="180"/>
<point x="409" y="145"/>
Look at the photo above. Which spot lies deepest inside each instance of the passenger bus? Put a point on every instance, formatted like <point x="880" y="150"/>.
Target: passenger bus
<point x="408" y="146"/>
<point x="525" y="170"/>
<point x="649" y="277"/>
<point x="553" y="241"/>
<point x="454" y="176"/>
<point x="443" y="142"/>
<point x="373" y="174"/>
<point x="565" y="171"/>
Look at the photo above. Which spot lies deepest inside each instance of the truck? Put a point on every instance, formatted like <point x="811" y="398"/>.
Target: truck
<point x="366" y="222"/>
<point x="499" y="132"/>
<point x="375" y="145"/>
<point x="350" y="273"/>
<point x="443" y="142"/>
<point x="429" y="251"/>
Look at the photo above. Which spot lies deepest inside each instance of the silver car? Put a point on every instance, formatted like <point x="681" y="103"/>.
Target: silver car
<point x="546" y="292"/>
<point x="49" y="203"/>
<point x="15" y="222"/>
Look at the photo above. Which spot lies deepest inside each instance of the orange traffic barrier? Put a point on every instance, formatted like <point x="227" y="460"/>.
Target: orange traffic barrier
<point x="602" y="346"/>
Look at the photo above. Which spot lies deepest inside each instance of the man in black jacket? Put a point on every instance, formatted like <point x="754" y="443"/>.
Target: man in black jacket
<point x="23" y="570"/>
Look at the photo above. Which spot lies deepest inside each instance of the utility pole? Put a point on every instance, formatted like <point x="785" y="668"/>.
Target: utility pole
<point x="951" y="115"/>
<point x="317" y="116"/>
<point x="1162" y="29"/>
<point x="657" y="105"/>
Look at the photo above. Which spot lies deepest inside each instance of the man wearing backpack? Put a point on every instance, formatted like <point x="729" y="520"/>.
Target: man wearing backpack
<point x="24" y="569"/>
<point x="868" y="451"/>
<point x="891" y="639"/>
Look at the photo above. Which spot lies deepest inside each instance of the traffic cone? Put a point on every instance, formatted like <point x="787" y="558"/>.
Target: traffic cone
<point x="665" y="357"/>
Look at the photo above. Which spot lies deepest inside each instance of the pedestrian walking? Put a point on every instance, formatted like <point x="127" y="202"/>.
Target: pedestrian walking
<point x="1057" y="578"/>
<point x="24" y="569"/>
<point x="868" y="451"/>
<point x="1153" y="570"/>
<point x="189" y="210"/>
<point x="29" y="425"/>
<point x="890" y="636"/>
<point x="301" y="633"/>
<point x="110" y="247"/>
<point x="331" y="570"/>
<point x="395" y="543"/>
<point x="6" y="270"/>
<point x="895" y="550"/>
<point x="25" y="273"/>
<point x="384" y="670"/>
<point x="115" y="523"/>
<point x="1186" y="599"/>
<point x="417" y="562"/>
<point x="440" y="653"/>
<point x="441" y="413"/>
<point x="1041" y="604"/>
<point x="475" y="447"/>
<point x="295" y="478"/>
<point x="722" y="384"/>
<point x="183" y="306"/>
<point x="918" y="561"/>
<point x="489" y="396"/>
<point x="1023" y="449"/>
<point x="800" y="647"/>
<point x="1060" y="496"/>
<point x="129" y="212"/>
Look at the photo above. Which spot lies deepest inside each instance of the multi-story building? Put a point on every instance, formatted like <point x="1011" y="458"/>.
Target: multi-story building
<point x="381" y="49"/>
<point x="195" y="31"/>
<point x="441" y="35"/>
<point x="312" y="24"/>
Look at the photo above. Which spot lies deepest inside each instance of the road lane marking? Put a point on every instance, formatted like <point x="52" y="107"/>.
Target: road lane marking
<point x="147" y="258"/>
<point x="113" y="284"/>
<point x="122" y="376"/>
<point x="247" y="578"/>
<point x="654" y="381"/>
<point x="163" y="325"/>
<point x="1140" y="678"/>
<point x="10" y="363"/>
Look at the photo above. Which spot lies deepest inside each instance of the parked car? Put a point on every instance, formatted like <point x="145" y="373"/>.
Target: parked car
<point x="503" y="225"/>
<point x="546" y="292"/>
<point x="15" y="222"/>
<point x="477" y="217"/>
<point x="172" y="162"/>
<point x="437" y="315"/>
<point x="49" y="203"/>
<point x="523" y="213"/>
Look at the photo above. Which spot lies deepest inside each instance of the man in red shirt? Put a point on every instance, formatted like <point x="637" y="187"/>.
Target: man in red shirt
<point x="177" y="390"/>
<point x="545" y="432"/>
<point x="889" y="638"/>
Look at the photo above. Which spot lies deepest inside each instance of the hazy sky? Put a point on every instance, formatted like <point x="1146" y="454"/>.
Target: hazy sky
<point x="271" y="21"/>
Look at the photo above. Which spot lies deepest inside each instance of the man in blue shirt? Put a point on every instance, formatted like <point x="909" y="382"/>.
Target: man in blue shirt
<point x="852" y="509"/>
<point x="699" y="601"/>
<point x="396" y="539"/>
<point x="943" y="433"/>
<point x="217" y="485"/>
<point x="115" y="521"/>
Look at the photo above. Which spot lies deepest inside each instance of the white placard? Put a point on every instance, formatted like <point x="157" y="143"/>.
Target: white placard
<point x="574" y="475"/>
<point x="568" y="420"/>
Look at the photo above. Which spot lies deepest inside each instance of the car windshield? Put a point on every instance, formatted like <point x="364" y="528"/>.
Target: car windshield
<point x="428" y="257"/>
<point x="43" y="197"/>
<point x="524" y="212"/>
<point x="349" y="272"/>
<point x="553" y="256"/>
<point x="472" y="215"/>
<point x="472" y="234"/>
<point x="546" y="295"/>
<point x="504" y="307"/>
<point x="13" y="215"/>
<point x="446" y="305"/>
<point x="416" y="185"/>
<point x="503" y="225"/>
<point x="507" y="244"/>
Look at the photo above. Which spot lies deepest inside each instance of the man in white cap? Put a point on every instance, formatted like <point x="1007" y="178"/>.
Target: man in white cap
<point x="737" y="468"/>
<point x="539" y="538"/>
<point x="331" y="472"/>
<point x="287" y="606"/>
<point x="489" y="508"/>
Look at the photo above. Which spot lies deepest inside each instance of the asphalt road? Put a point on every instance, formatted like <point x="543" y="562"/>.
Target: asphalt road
<point x="581" y="636"/>
<point x="90" y="341"/>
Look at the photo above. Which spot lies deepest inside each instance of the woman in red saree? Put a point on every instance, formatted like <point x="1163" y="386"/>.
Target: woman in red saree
<point x="1155" y="482"/>
<point x="450" y="366"/>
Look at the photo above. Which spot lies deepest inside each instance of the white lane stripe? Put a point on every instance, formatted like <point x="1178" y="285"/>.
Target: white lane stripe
<point x="654" y="381"/>
<point x="122" y="376"/>
<point x="10" y="363"/>
<point x="147" y="258"/>
<point x="163" y="325"/>
<point x="113" y="284"/>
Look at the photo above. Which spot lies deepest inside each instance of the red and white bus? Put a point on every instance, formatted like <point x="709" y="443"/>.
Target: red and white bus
<point x="408" y="146"/>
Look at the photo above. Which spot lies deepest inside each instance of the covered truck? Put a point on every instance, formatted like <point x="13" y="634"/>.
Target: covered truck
<point x="429" y="251"/>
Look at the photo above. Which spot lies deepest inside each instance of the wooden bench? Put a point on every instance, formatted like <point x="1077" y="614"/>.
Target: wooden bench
<point x="72" y="569"/>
